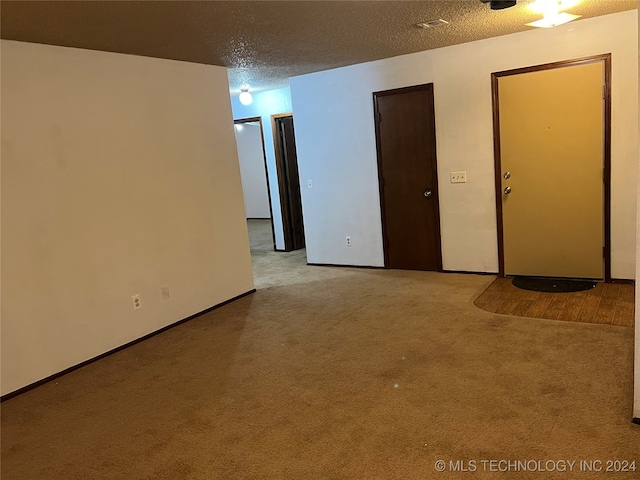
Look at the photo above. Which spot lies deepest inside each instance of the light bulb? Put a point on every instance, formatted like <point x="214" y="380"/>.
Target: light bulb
<point x="245" y="97"/>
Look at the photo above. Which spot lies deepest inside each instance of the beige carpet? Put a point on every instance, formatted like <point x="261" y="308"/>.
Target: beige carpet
<point x="271" y="268"/>
<point x="358" y="374"/>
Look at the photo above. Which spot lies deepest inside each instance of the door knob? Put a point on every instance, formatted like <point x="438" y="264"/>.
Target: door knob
<point x="507" y="190"/>
<point x="427" y="193"/>
<point x="507" y="175"/>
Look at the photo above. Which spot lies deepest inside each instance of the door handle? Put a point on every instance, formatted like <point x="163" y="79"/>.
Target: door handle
<point x="427" y="193"/>
<point x="507" y="190"/>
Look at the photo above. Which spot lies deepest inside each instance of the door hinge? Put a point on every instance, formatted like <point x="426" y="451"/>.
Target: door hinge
<point x="379" y="117"/>
<point x="604" y="252"/>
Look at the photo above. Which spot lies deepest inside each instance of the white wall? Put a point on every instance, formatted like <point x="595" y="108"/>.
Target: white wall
<point x="254" y="179"/>
<point x="264" y="105"/>
<point x="336" y="141"/>
<point x="119" y="176"/>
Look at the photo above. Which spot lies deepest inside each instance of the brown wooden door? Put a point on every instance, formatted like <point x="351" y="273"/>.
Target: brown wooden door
<point x="289" y="183"/>
<point x="405" y="135"/>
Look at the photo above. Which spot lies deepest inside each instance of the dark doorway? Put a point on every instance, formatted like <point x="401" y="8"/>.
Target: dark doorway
<point x="406" y="143"/>
<point x="288" y="182"/>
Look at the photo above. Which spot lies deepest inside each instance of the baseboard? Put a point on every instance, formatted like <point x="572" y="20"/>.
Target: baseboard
<point x="344" y="266"/>
<point x="465" y="272"/>
<point x="384" y="268"/>
<point x="636" y="420"/>
<point x="33" y="385"/>
<point x="625" y="281"/>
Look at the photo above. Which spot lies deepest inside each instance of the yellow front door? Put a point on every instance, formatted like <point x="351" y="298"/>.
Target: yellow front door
<point x="551" y="150"/>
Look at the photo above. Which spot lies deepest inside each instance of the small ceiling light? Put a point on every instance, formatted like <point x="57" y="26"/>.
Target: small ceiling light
<point x="245" y="97"/>
<point x="500" y="4"/>
<point x="551" y="9"/>
<point x="553" y="20"/>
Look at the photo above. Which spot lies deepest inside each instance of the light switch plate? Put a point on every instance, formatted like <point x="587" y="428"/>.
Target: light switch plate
<point x="458" y="177"/>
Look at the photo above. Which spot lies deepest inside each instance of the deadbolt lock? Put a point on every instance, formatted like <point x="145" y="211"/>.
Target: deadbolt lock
<point x="507" y="175"/>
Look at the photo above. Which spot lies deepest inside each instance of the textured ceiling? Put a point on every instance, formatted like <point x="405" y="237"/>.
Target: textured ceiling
<point x="263" y="42"/>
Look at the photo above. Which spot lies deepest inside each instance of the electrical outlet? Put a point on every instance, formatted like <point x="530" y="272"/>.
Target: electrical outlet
<point x="458" y="177"/>
<point x="136" y="302"/>
<point x="348" y="240"/>
<point x="165" y="292"/>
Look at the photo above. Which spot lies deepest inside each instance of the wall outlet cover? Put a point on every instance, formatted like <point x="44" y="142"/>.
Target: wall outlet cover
<point x="136" y="302"/>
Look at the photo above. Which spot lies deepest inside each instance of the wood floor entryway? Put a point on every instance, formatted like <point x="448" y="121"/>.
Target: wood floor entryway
<point x="607" y="303"/>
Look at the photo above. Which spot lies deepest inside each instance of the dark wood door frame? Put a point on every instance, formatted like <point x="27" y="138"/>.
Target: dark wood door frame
<point x="266" y="170"/>
<point x="282" y="173"/>
<point x="606" y="59"/>
<point x="435" y="190"/>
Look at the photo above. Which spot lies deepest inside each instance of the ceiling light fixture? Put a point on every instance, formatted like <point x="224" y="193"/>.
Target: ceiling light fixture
<point x="553" y="20"/>
<point x="245" y="97"/>
<point x="551" y="9"/>
<point x="500" y="4"/>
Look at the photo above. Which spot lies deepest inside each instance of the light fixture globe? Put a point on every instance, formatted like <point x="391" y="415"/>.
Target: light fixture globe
<point x="245" y="97"/>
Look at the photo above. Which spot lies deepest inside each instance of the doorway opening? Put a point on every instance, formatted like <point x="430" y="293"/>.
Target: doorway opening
<point x="552" y="146"/>
<point x="255" y="182"/>
<point x="288" y="181"/>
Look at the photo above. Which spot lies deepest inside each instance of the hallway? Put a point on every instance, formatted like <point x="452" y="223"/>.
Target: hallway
<point x="271" y="268"/>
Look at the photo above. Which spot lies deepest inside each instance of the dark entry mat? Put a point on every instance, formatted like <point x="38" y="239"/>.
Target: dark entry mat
<point x="552" y="285"/>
